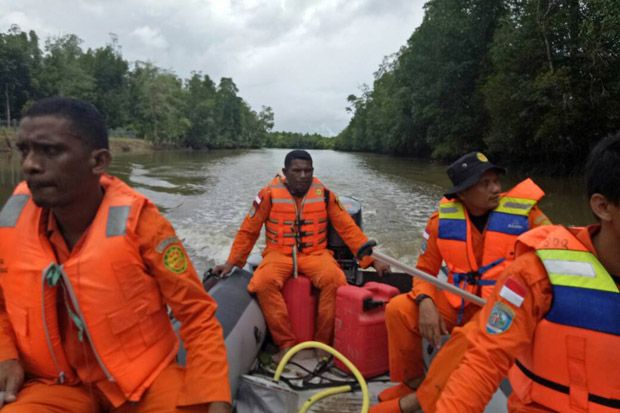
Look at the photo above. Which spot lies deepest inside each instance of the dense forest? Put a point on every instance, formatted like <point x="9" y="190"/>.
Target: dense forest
<point x="142" y="101"/>
<point x="534" y="83"/>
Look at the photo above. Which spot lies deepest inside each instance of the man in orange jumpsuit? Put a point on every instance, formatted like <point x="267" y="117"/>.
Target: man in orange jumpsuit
<point x="88" y="268"/>
<point x="553" y="318"/>
<point x="472" y="238"/>
<point x="296" y="210"/>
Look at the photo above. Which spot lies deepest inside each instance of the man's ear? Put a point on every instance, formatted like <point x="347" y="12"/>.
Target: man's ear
<point x="100" y="160"/>
<point x="600" y="206"/>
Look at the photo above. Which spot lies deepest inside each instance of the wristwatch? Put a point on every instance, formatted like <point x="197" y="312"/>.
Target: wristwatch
<point x="419" y="298"/>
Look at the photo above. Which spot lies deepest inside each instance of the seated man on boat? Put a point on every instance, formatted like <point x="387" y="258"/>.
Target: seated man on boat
<point x="88" y="267"/>
<point x="471" y="238"/>
<point x="553" y="321"/>
<point x="296" y="209"/>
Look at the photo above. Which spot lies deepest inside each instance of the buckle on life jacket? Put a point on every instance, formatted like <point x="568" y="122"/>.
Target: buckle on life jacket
<point x="470" y="278"/>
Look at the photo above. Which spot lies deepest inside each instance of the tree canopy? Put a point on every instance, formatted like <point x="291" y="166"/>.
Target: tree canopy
<point x="532" y="82"/>
<point x="138" y="99"/>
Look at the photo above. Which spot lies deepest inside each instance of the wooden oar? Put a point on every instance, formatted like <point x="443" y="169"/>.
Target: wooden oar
<point x="367" y="249"/>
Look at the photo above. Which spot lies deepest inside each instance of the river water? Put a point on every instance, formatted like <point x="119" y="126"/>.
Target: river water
<point x="206" y="194"/>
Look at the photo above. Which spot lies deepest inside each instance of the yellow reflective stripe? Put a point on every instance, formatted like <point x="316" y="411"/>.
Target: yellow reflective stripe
<point x="515" y="206"/>
<point x="576" y="269"/>
<point x="451" y="210"/>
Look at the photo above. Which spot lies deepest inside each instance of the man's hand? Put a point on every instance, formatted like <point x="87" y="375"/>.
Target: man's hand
<point x="431" y="323"/>
<point x="11" y="380"/>
<point x="219" y="407"/>
<point x="223" y="269"/>
<point x="381" y="267"/>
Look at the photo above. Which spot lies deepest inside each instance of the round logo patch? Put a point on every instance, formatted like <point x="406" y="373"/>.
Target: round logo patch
<point x="319" y="191"/>
<point x="481" y="157"/>
<point x="175" y="259"/>
<point x="500" y="319"/>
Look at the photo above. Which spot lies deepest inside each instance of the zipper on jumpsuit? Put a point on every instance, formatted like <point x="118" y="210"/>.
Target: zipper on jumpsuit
<point x="61" y="374"/>
<point x="76" y="306"/>
<point x="297" y="236"/>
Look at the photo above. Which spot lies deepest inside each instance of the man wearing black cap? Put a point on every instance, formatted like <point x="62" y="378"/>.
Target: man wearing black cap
<point x="470" y="239"/>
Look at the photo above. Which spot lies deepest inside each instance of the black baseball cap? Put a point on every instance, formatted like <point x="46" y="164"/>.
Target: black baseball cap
<point x="466" y="171"/>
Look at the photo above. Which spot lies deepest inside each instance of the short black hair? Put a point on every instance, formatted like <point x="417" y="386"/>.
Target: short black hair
<point x="85" y="119"/>
<point x="603" y="169"/>
<point x="296" y="154"/>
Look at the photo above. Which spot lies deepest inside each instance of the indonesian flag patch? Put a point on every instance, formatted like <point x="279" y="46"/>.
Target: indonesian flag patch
<point x="513" y="291"/>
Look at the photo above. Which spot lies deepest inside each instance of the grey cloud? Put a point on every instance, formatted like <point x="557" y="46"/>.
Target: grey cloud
<point x="301" y="57"/>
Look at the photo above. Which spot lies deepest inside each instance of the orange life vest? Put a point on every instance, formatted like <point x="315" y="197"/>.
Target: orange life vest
<point x="572" y="365"/>
<point x="287" y="227"/>
<point x="116" y="304"/>
<point x="504" y="225"/>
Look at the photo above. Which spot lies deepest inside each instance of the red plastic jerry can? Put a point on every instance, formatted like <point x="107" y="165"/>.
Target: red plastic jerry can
<point x="301" y="302"/>
<point x="360" y="332"/>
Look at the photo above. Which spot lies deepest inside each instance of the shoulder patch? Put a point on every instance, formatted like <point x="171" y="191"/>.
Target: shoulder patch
<point x="175" y="259"/>
<point x="252" y="211"/>
<point x="513" y="291"/>
<point x="500" y="319"/>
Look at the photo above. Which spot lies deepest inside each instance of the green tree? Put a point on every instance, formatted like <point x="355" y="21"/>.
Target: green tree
<point x="157" y="105"/>
<point x="555" y="89"/>
<point x="63" y="72"/>
<point x="20" y="57"/>
<point x="228" y="114"/>
<point x="200" y="109"/>
<point x="110" y="73"/>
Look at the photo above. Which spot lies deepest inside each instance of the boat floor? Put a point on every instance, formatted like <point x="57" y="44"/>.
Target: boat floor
<point x="350" y="402"/>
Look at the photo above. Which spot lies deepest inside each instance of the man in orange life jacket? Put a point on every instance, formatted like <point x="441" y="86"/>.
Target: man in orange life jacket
<point x="296" y="209"/>
<point x="553" y="318"/>
<point x="472" y="238"/>
<point x="88" y="267"/>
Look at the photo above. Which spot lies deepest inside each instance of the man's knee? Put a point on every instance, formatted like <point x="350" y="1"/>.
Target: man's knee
<point x="263" y="280"/>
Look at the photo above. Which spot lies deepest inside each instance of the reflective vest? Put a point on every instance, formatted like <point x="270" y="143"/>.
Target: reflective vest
<point x="504" y="225"/>
<point x="573" y="363"/>
<point x="287" y="227"/>
<point x="114" y="302"/>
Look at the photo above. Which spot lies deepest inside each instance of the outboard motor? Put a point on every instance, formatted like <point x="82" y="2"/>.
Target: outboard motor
<point x="342" y="254"/>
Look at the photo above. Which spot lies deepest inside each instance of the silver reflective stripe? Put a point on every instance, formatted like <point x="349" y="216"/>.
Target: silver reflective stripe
<point x="12" y="210"/>
<point x="117" y="221"/>
<point x="282" y="201"/>
<point x="278" y="186"/>
<point x="517" y="205"/>
<point x="563" y="267"/>
<point x="449" y="210"/>
<point x="313" y="200"/>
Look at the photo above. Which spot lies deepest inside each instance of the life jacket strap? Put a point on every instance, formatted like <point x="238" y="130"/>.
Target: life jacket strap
<point x="604" y="401"/>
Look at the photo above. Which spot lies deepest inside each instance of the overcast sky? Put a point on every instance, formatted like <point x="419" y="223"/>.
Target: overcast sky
<point x="301" y="57"/>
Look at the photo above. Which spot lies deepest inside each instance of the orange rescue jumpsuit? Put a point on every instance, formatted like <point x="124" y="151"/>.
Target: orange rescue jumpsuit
<point x="402" y="316"/>
<point x="490" y="356"/>
<point x="277" y="267"/>
<point x="203" y="381"/>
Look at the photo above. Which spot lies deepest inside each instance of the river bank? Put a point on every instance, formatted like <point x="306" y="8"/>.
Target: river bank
<point x="118" y="144"/>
